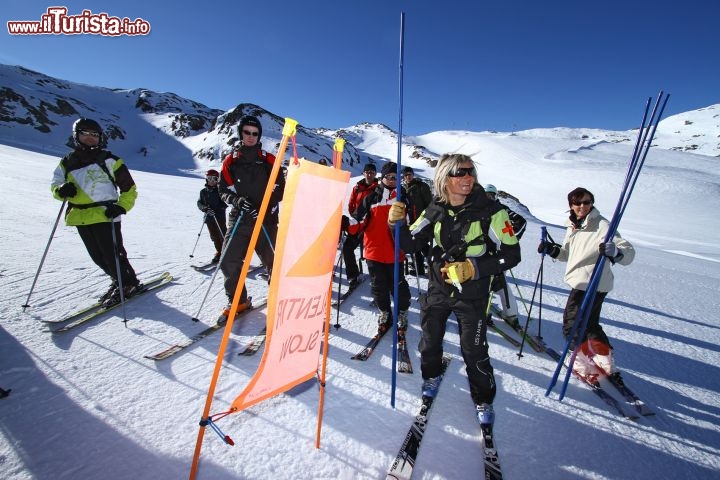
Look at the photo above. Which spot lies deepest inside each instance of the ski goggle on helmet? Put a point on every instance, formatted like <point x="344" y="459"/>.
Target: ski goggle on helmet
<point x="212" y="175"/>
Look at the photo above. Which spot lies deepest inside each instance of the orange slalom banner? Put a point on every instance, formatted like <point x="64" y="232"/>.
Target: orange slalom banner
<point x="305" y="252"/>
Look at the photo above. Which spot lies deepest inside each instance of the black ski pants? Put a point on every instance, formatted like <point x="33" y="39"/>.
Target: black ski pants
<point x="593" y="329"/>
<point x="237" y="241"/>
<point x="348" y="251"/>
<point x="435" y="309"/>
<point x="382" y="286"/>
<point x="217" y="229"/>
<point x="99" y="244"/>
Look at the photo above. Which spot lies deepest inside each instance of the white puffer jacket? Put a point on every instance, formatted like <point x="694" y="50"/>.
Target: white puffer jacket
<point x="580" y="251"/>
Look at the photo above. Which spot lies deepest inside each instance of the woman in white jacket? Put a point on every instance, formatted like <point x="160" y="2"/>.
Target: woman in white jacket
<point x="584" y="241"/>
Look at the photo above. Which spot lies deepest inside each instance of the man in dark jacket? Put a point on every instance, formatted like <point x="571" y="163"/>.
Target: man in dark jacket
<point x="213" y="207"/>
<point x="245" y="175"/>
<point x="419" y="197"/>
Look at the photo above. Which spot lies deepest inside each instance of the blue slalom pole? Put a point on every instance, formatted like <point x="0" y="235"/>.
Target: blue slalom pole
<point x="645" y="136"/>
<point x="583" y="307"/>
<point x="398" y="192"/>
<point x="590" y="295"/>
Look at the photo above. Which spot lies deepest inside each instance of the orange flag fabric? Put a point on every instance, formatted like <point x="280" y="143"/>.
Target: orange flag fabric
<point x="305" y="251"/>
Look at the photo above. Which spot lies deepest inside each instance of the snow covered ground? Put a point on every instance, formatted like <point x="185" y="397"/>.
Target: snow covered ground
<point x="87" y="405"/>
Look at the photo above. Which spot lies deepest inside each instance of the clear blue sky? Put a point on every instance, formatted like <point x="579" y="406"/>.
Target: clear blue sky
<point x="473" y="65"/>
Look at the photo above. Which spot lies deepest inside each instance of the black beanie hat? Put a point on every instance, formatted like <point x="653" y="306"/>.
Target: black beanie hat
<point x="251" y="121"/>
<point x="370" y="167"/>
<point x="408" y="170"/>
<point x="389" y="167"/>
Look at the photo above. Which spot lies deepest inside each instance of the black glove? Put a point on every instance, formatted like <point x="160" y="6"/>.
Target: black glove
<point x="345" y="223"/>
<point x="209" y="212"/>
<point x="242" y="204"/>
<point x="549" y="248"/>
<point x="114" y="210"/>
<point x="67" y="190"/>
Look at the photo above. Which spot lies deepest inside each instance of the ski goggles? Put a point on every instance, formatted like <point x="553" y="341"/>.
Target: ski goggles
<point x="212" y="178"/>
<point x="89" y="133"/>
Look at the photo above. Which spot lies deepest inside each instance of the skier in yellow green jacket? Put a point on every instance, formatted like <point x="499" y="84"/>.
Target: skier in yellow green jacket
<point x="99" y="189"/>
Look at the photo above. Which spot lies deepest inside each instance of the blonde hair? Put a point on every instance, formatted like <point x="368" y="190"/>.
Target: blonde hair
<point x="447" y="163"/>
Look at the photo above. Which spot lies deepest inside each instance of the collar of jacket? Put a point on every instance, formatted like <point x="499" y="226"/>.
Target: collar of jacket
<point x="576" y="224"/>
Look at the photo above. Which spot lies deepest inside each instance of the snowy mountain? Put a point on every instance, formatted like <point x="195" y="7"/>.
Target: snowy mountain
<point x="160" y="131"/>
<point x="87" y="405"/>
<point x="154" y="132"/>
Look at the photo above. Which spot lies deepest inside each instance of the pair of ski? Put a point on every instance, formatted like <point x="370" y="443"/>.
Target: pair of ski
<point x="250" y="349"/>
<point x="206" y="267"/>
<point x="344" y="296"/>
<point x="640" y="409"/>
<point x="211" y="266"/>
<point x="404" y="362"/>
<point x="97" y="309"/>
<point x="404" y="463"/>
<point x="515" y="325"/>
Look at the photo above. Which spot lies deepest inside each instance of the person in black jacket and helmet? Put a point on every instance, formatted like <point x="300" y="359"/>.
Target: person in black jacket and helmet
<point x="99" y="190"/>
<point x="213" y="207"/>
<point x="243" y="179"/>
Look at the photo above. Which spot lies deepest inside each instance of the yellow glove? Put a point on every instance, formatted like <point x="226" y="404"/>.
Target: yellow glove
<point x="396" y="214"/>
<point x="458" y="272"/>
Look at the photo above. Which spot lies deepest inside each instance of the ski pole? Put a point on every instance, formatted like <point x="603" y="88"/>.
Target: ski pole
<point x="42" y="260"/>
<point x="362" y="254"/>
<point x="196" y="318"/>
<point x="517" y="289"/>
<point x="116" y="247"/>
<point x="538" y="280"/>
<point x="410" y="259"/>
<point x="340" y="265"/>
<point x="267" y="235"/>
<point x="198" y="235"/>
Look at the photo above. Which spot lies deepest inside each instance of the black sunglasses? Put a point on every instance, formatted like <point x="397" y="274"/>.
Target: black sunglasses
<point x="584" y="202"/>
<point x="461" y="172"/>
<point x="390" y="178"/>
<point x="250" y="134"/>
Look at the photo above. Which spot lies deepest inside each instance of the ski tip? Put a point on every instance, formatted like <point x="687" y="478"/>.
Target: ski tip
<point x="194" y="319"/>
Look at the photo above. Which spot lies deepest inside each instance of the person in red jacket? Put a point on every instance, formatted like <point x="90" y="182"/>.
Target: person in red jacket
<point x="362" y="189"/>
<point x="371" y="218"/>
<point x="244" y="177"/>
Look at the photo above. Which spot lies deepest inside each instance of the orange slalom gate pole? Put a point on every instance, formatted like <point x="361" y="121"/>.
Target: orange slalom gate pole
<point x="288" y="131"/>
<point x="337" y="160"/>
